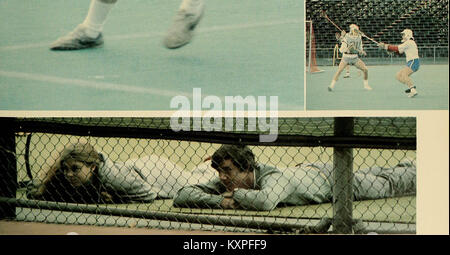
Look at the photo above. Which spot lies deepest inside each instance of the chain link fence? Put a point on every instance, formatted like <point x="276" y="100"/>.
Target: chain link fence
<point x="321" y="175"/>
<point x="382" y="20"/>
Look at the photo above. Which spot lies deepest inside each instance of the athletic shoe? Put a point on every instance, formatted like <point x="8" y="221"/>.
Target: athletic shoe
<point x="347" y="75"/>
<point x="330" y="89"/>
<point x="409" y="90"/>
<point x="367" y="87"/>
<point x="77" y="40"/>
<point x="413" y="93"/>
<point x="182" y="29"/>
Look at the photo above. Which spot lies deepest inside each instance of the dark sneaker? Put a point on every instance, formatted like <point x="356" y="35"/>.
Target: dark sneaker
<point x="409" y="90"/>
<point x="77" y="40"/>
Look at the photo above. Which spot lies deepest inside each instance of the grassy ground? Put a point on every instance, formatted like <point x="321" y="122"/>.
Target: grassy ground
<point x="387" y="94"/>
<point x="249" y="48"/>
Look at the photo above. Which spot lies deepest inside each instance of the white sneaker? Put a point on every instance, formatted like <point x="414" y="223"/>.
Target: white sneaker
<point x="367" y="87"/>
<point x="77" y="40"/>
<point x="413" y="93"/>
<point x="183" y="26"/>
<point x="347" y="75"/>
<point x="409" y="89"/>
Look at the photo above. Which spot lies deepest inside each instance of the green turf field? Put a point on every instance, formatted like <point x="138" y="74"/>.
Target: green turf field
<point x="387" y="94"/>
<point x="247" y="48"/>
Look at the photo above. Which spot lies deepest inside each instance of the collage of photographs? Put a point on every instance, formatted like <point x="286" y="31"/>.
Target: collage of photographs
<point x="228" y="118"/>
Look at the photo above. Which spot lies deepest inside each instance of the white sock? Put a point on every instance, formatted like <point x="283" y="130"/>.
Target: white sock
<point x="186" y="4"/>
<point x="366" y="83"/>
<point x="332" y="83"/>
<point x="96" y="17"/>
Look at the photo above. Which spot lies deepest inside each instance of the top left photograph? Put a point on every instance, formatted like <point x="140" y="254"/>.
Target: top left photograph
<point x="145" y="55"/>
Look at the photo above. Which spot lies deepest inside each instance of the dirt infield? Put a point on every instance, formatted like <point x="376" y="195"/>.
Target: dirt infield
<point x="34" y="228"/>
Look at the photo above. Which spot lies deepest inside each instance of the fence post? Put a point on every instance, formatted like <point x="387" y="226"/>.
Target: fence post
<point x="309" y="48"/>
<point x="434" y="54"/>
<point x="343" y="179"/>
<point x="8" y="168"/>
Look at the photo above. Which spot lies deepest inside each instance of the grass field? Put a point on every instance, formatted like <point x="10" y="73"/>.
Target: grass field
<point x="387" y="94"/>
<point x="250" y="48"/>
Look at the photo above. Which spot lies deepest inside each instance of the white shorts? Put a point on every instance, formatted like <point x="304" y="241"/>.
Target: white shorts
<point x="350" y="59"/>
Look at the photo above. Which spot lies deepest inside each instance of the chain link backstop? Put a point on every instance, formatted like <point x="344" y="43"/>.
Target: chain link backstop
<point x="341" y="175"/>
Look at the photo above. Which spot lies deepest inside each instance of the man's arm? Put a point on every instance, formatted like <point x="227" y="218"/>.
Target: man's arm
<point x="361" y="51"/>
<point x="344" y="47"/>
<point x="275" y="187"/>
<point x="393" y="48"/>
<point x="200" y="196"/>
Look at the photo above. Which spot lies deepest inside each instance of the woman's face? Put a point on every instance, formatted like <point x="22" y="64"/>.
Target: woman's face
<point x="77" y="173"/>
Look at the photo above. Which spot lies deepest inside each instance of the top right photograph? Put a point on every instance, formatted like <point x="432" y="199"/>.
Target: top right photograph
<point x="376" y="55"/>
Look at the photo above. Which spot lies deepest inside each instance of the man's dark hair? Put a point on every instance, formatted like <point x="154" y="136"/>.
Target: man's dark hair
<point x="241" y="156"/>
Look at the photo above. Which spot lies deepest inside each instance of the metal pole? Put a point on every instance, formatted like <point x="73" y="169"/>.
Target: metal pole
<point x="343" y="178"/>
<point x="434" y="54"/>
<point x="8" y="168"/>
<point x="310" y="43"/>
<point x="155" y="215"/>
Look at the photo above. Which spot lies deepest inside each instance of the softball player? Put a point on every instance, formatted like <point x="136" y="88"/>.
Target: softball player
<point x="351" y="48"/>
<point x="88" y="34"/>
<point x="409" y="47"/>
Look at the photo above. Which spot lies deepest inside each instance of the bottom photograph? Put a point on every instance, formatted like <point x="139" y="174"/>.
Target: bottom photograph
<point x="336" y="175"/>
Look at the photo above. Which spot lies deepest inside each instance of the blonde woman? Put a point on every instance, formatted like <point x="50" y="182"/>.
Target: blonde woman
<point x="81" y="174"/>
